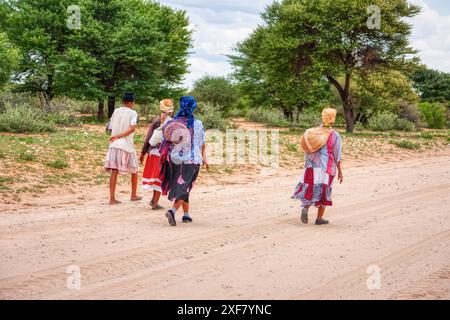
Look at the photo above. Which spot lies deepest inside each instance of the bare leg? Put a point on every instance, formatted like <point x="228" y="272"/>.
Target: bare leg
<point x="177" y="204"/>
<point x="320" y="213"/>
<point x="185" y="207"/>
<point x="112" y="187"/>
<point x="155" y="200"/>
<point x="134" y="183"/>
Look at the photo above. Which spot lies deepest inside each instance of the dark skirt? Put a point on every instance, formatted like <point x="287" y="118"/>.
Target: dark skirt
<point x="182" y="179"/>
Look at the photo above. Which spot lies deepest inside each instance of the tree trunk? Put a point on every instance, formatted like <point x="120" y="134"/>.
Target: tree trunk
<point x="344" y="93"/>
<point x="111" y="105"/>
<point x="101" y="111"/>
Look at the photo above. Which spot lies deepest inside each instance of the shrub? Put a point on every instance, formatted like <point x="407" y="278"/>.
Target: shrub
<point x="58" y="164"/>
<point x="21" y="119"/>
<point x="384" y="121"/>
<point x="404" y="125"/>
<point x="212" y="117"/>
<point x="309" y="119"/>
<point x="271" y="117"/>
<point x="405" y="144"/>
<point x="387" y="121"/>
<point x="410" y="112"/>
<point x="433" y="115"/>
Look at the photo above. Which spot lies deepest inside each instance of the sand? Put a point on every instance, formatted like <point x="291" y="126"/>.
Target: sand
<point x="246" y="242"/>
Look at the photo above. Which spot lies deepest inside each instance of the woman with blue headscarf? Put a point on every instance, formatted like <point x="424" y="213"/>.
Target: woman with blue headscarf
<point x="183" y="152"/>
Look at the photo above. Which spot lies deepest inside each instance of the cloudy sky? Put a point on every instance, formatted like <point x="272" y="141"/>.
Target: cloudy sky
<point x="220" y="24"/>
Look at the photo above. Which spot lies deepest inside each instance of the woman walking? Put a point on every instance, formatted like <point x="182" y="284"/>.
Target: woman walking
<point x="182" y="153"/>
<point x="151" y="176"/>
<point x="323" y="149"/>
<point x="121" y="157"/>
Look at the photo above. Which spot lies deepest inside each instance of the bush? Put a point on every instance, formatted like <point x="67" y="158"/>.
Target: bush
<point x="433" y="115"/>
<point x="387" y="121"/>
<point x="309" y="119"/>
<point x="271" y="117"/>
<point x="405" y="144"/>
<point x="21" y="119"/>
<point x="212" y="117"/>
<point x="404" y="125"/>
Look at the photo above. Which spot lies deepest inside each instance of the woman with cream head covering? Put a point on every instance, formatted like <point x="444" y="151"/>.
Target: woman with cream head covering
<point x="323" y="149"/>
<point x="151" y="178"/>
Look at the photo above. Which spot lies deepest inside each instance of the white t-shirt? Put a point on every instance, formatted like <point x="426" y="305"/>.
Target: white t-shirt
<point x="121" y="121"/>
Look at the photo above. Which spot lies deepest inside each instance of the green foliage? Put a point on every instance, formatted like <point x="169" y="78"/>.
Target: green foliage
<point x="26" y="156"/>
<point x="269" y="116"/>
<point x="434" y="86"/>
<point x="212" y="117"/>
<point x="405" y="144"/>
<point x="303" y="42"/>
<point x="135" y="45"/>
<point x="218" y="91"/>
<point x="9" y="59"/>
<point x="386" y="121"/>
<point x="57" y="164"/>
<point x="433" y="115"/>
<point x="20" y="119"/>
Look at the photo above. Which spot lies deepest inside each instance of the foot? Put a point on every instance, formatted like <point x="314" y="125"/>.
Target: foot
<point x="305" y="215"/>
<point x="136" y="198"/>
<point x="157" y="207"/>
<point x="320" y="222"/>
<point x="171" y="218"/>
<point x="187" y="219"/>
<point x="113" y="202"/>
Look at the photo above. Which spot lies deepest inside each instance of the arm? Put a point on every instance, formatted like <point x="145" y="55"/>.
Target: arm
<point x="340" y="174"/>
<point x="205" y="160"/>
<point x="151" y="129"/>
<point x="124" y="134"/>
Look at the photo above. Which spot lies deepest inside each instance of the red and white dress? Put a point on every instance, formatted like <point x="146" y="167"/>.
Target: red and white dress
<point x="151" y="178"/>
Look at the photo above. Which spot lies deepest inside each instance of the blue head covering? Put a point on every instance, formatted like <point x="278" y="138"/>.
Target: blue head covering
<point x="188" y="104"/>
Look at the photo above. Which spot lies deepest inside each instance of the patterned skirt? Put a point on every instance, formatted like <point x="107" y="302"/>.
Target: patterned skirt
<point x="124" y="162"/>
<point x="182" y="178"/>
<point x="314" y="188"/>
<point x="151" y="178"/>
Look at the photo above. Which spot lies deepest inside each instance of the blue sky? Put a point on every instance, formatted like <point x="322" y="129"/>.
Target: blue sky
<point x="219" y="24"/>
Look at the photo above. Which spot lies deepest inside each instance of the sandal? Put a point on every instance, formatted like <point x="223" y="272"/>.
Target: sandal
<point x="157" y="207"/>
<point x="320" y="222"/>
<point x="171" y="218"/>
<point x="305" y="215"/>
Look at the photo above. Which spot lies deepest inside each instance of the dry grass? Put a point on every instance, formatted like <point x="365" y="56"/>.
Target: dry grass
<point x="69" y="159"/>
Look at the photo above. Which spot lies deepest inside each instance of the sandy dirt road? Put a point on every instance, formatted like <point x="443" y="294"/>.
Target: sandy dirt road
<point x="247" y="242"/>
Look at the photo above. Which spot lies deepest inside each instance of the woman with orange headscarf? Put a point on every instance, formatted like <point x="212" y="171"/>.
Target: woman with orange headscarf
<point x="151" y="177"/>
<point x="323" y="149"/>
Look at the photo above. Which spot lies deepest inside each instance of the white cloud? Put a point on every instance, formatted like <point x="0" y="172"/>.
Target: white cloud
<point x="431" y="37"/>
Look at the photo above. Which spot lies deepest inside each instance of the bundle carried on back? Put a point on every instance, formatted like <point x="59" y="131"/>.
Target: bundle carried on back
<point x="315" y="138"/>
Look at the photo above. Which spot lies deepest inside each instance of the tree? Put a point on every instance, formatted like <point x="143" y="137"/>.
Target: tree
<point x="39" y="29"/>
<point x="433" y="86"/>
<point x="218" y="91"/>
<point x="131" y="45"/>
<point x="333" y="37"/>
<point x="9" y="59"/>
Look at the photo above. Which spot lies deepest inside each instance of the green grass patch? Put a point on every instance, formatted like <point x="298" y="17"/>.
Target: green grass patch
<point x="26" y="156"/>
<point x="405" y="144"/>
<point x="292" y="147"/>
<point x="57" y="164"/>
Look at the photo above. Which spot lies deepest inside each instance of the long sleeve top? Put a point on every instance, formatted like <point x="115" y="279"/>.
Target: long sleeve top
<point x="154" y="124"/>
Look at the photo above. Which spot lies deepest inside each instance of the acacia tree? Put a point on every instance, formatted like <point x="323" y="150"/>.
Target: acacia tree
<point x="126" y="45"/>
<point x="333" y="37"/>
<point x="9" y="59"/>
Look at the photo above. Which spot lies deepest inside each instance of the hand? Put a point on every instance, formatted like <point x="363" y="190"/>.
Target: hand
<point x="340" y="177"/>
<point x="141" y="158"/>
<point x="112" y="139"/>
<point x="205" y="164"/>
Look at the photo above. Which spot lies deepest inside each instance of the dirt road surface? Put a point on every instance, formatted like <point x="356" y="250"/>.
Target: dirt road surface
<point x="246" y="242"/>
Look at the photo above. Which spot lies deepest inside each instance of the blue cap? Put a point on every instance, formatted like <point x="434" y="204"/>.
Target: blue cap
<point x="128" y="97"/>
